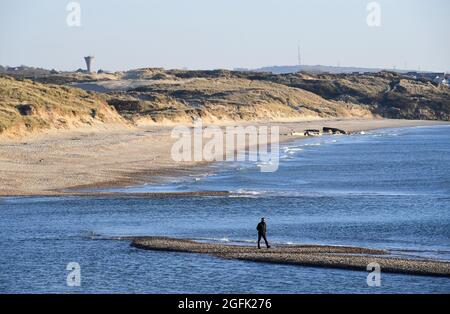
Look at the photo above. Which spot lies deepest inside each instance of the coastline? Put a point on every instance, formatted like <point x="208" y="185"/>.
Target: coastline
<point x="63" y="163"/>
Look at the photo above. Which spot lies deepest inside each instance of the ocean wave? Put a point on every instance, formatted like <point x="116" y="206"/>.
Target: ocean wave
<point x="206" y="239"/>
<point x="263" y="164"/>
<point x="246" y="193"/>
<point x="315" y="194"/>
<point x="286" y="157"/>
<point x="292" y="149"/>
<point x="312" y="144"/>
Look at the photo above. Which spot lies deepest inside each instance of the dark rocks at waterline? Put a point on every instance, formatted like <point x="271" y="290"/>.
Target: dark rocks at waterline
<point x="328" y="130"/>
<point x="312" y="132"/>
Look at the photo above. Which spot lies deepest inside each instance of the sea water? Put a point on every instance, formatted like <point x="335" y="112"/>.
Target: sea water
<point x="387" y="189"/>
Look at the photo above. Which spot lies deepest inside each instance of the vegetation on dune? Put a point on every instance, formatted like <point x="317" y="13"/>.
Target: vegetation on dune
<point x="178" y="95"/>
<point x="388" y="94"/>
<point x="27" y="106"/>
<point x="153" y="95"/>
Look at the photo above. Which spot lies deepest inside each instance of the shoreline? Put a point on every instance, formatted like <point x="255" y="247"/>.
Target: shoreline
<point x="327" y="256"/>
<point x="63" y="164"/>
<point x="125" y="194"/>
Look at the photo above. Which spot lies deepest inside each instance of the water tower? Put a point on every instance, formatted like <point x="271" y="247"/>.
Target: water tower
<point x="89" y="61"/>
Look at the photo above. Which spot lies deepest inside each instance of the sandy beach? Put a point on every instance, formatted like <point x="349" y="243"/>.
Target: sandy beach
<point x="51" y="163"/>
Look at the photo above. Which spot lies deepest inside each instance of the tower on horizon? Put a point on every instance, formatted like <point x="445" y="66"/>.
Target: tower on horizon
<point x="89" y="61"/>
<point x="299" y="56"/>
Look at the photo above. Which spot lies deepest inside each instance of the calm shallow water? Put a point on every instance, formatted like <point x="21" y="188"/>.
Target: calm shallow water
<point x="386" y="189"/>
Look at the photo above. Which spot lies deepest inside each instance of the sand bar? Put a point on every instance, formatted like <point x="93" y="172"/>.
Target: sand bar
<point x="352" y="258"/>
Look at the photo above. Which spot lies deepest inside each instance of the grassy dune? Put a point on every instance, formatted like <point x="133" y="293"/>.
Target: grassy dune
<point x="28" y="107"/>
<point x="152" y="96"/>
<point x="155" y="97"/>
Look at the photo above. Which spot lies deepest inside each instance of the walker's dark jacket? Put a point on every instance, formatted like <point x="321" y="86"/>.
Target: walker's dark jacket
<point x="261" y="228"/>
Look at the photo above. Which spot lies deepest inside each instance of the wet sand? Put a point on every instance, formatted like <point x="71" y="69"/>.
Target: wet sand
<point x="132" y="194"/>
<point x="352" y="258"/>
<point x="62" y="162"/>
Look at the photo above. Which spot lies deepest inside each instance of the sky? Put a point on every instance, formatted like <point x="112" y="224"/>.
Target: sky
<point x="212" y="34"/>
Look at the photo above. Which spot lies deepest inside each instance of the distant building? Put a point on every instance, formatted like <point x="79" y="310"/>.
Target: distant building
<point x="414" y="75"/>
<point x="100" y="71"/>
<point x="438" y="78"/>
<point x="89" y="62"/>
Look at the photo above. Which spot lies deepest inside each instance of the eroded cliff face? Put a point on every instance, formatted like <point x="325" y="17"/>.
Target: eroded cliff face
<point x="387" y="94"/>
<point x="409" y="99"/>
<point x="28" y="107"/>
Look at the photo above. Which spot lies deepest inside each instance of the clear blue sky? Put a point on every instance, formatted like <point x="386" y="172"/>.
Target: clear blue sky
<point x="207" y="34"/>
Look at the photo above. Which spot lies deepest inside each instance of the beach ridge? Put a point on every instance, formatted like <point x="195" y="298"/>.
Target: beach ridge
<point x="328" y="256"/>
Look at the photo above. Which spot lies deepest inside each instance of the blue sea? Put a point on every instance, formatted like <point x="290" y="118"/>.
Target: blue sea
<point x="386" y="189"/>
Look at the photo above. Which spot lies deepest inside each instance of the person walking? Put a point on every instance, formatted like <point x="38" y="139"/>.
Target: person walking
<point x="262" y="231"/>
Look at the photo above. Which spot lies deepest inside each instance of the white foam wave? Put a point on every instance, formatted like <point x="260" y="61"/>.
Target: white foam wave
<point x="312" y="144"/>
<point x="293" y="149"/>
<point x="246" y="193"/>
<point x="206" y="239"/>
<point x="264" y="163"/>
